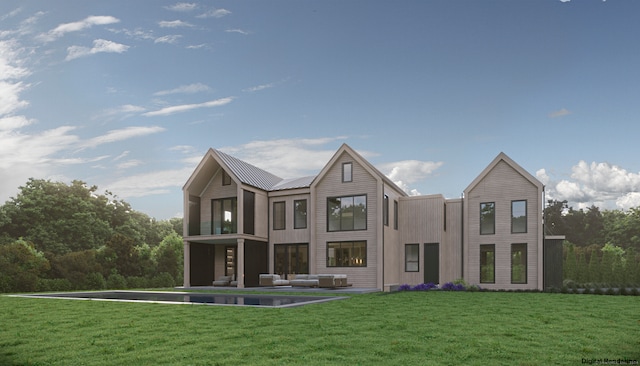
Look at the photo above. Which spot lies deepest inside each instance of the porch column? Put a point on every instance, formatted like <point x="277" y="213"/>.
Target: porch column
<point x="187" y="264"/>
<point x="240" y="263"/>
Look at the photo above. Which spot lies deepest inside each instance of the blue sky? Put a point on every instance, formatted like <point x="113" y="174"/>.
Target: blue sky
<point x="129" y="95"/>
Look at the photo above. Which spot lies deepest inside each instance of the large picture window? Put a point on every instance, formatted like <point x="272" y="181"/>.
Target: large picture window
<point x="519" y="263"/>
<point x="487" y="218"/>
<point x="300" y="214"/>
<point x="279" y="216"/>
<point x="347" y="213"/>
<point x="487" y="263"/>
<point x="347" y="254"/>
<point x="224" y="216"/>
<point x="518" y="217"/>
<point x="412" y="257"/>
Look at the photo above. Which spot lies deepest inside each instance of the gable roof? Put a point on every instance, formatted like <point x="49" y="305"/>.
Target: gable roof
<point x="247" y="173"/>
<point x="503" y="157"/>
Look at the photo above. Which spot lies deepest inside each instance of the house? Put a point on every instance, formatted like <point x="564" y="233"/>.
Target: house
<point x="351" y="219"/>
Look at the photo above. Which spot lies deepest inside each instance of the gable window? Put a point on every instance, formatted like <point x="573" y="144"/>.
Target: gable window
<point x="347" y="213"/>
<point x="347" y="172"/>
<point x="487" y="263"/>
<point x="226" y="178"/>
<point x="225" y="216"/>
<point x="279" y="216"/>
<point x="487" y="218"/>
<point x="347" y="254"/>
<point x="518" y="217"/>
<point x="412" y="257"/>
<point x="300" y="214"/>
<point x="385" y="210"/>
<point x="395" y="215"/>
<point x="519" y="263"/>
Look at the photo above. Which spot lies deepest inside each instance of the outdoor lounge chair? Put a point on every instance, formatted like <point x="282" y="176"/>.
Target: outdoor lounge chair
<point x="222" y="281"/>
<point x="332" y="280"/>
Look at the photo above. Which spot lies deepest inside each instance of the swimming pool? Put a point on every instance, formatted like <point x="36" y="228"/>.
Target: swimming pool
<point x="229" y="299"/>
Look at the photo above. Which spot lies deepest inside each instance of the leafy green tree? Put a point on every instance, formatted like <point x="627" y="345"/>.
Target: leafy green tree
<point x="75" y="266"/>
<point x="169" y="256"/>
<point x="595" y="272"/>
<point x="570" y="263"/>
<point x="20" y="267"/>
<point x="582" y="270"/>
<point x="122" y="249"/>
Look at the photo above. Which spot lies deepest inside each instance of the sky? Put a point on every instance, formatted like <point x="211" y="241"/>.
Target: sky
<point x="129" y="95"/>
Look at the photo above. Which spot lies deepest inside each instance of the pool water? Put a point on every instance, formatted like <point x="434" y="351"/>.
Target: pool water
<point x="258" y="300"/>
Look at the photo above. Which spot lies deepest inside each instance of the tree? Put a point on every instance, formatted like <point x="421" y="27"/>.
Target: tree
<point x="570" y="263"/>
<point x="169" y="256"/>
<point x="20" y="267"/>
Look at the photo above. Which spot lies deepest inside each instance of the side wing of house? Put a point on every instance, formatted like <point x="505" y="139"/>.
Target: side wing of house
<point x="503" y="228"/>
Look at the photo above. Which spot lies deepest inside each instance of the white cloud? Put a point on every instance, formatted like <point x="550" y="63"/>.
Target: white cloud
<point x="99" y="45"/>
<point x="629" y="200"/>
<point x="129" y="164"/>
<point x="182" y="7"/>
<point x="125" y="110"/>
<point x="171" y="39"/>
<point x="236" y="30"/>
<point x="559" y="113"/>
<point x="173" y="24"/>
<point x="214" y="13"/>
<point x="152" y="183"/>
<point x="185" y="89"/>
<point x="88" y="22"/>
<point x="187" y="107"/>
<point x="259" y="87"/>
<point x="121" y="134"/>
<point x="406" y="172"/>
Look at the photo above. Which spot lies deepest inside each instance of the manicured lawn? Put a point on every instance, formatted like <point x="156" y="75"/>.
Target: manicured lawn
<point x="407" y="328"/>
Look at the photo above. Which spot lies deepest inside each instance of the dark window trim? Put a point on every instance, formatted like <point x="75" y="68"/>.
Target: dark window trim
<point x="366" y="213"/>
<point x="494" y="218"/>
<point x="284" y="214"/>
<point x="344" y="180"/>
<point x="526" y="217"/>
<point x="445" y="217"/>
<point x="492" y="248"/>
<point x="226" y="178"/>
<point x="395" y="215"/>
<point x="234" y="204"/>
<point x="406" y="259"/>
<point x="296" y="224"/>
<point x="352" y="242"/>
<point x="385" y="210"/>
<point x="526" y="265"/>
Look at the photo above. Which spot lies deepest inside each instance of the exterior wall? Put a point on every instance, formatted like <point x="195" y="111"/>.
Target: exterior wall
<point x="393" y="260"/>
<point x="261" y="214"/>
<point x="331" y="186"/>
<point x="502" y="185"/>
<point x="214" y="190"/>
<point x="451" y="252"/>
<point x="289" y="235"/>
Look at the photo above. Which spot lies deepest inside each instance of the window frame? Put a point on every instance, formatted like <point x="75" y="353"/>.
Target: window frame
<point x="482" y="204"/>
<point x="340" y="220"/>
<point x="347" y="176"/>
<point x="395" y="215"/>
<point x="234" y="215"/>
<point x="522" y="248"/>
<point x="297" y="223"/>
<point x="283" y="212"/>
<point x="385" y="210"/>
<point x="345" y="245"/>
<point x="487" y="248"/>
<point x="415" y="247"/>
<point x="526" y="217"/>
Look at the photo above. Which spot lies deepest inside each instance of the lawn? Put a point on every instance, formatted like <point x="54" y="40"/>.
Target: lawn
<point x="407" y="328"/>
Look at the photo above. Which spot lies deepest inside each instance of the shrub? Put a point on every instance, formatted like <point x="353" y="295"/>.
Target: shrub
<point x="116" y="281"/>
<point x="95" y="281"/>
<point x="404" y="287"/>
<point x="162" y="279"/>
<point x="137" y="282"/>
<point x="425" y="287"/>
<point x="450" y="286"/>
<point x="54" y="284"/>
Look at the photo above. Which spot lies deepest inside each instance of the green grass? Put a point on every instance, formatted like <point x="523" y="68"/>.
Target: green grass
<point x="408" y="328"/>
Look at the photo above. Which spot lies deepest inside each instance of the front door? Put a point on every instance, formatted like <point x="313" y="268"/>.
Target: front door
<point x="432" y="263"/>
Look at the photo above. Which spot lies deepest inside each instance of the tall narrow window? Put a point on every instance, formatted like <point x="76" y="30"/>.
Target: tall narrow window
<point x="385" y="210"/>
<point x="347" y="254"/>
<point x="518" y="217"/>
<point x="347" y="172"/>
<point x="224" y="216"/>
<point x="395" y="215"/>
<point x="519" y="263"/>
<point x="226" y="179"/>
<point x="279" y="216"/>
<point x="412" y="257"/>
<point x="300" y="214"/>
<point x="487" y="263"/>
<point x="487" y="218"/>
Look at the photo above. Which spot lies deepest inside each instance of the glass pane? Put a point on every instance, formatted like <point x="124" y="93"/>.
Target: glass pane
<point x="300" y="215"/>
<point x="360" y="213"/>
<point x="347" y="172"/>
<point x="519" y="216"/>
<point x="278" y="215"/>
<point x="216" y="207"/>
<point x="487" y="261"/>
<point x="519" y="263"/>
<point x="346" y="213"/>
<point x="333" y="214"/>
<point x="487" y="218"/>
<point x="331" y="254"/>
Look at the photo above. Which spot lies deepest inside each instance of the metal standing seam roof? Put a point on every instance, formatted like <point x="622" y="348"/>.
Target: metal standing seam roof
<point x="249" y="174"/>
<point x="303" y="182"/>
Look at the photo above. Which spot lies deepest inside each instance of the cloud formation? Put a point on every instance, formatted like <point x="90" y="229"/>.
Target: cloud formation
<point x="559" y="113"/>
<point x="88" y="22"/>
<point x="187" y="107"/>
<point x="406" y="172"/>
<point x="121" y="134"/>
<point x="182" y="7"/>
<point x="185" y="89"/>
<point x="214" y="13"/>
<point x="99" y="46"/>
<point x="174" y="24"/>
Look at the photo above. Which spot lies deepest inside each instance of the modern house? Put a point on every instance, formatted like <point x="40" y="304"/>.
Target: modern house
<point x="351" y="219"/>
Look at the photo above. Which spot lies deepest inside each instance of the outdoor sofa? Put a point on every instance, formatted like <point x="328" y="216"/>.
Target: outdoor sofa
<point x="271" y="280"/>
<point x="225" y="281"/>
<point x="305" y="280"/>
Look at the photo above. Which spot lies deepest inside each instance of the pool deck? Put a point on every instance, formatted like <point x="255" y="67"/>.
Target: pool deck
<point x="288" y="289"/>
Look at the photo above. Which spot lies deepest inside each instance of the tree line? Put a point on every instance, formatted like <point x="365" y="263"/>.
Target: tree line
<point x="57" y="237"/>
<point x="602" y="248"/>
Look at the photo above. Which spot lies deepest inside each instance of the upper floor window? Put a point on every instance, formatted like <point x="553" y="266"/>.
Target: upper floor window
<point x="300" y="214"/>
<point x="279" y="216"/>
<point x="395" y="215"/>
<point x="226" y="179"/>
<point x="347" y="172"/>
<point x="487" y="218"/>
<point x="347" y="213"/>
<point x="385" y="210"/>
<point x="224" y="215"/>
<point x="518" y="217"/>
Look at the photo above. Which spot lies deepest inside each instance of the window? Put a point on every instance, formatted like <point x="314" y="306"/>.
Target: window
<point x="226" y="179"/>
<point x="347" y="213"/>
<point x="291" y="259"/>
<point x="279" y="216"/>
<point x="518" y="217"/>
<point x="487" y="263"/>
<point x="225" y="216"/>
<point x="347" y="172"/>
<point x="300" y="214"/>
<point x="519" y="263"/>
<point x="347" y="254"/>
<point x="487" y="218"/>
<point x="385" y="210"/>
<point x="395" y="215"/>
<point x="412" y="257"/>
<point x="445" y="217"/>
